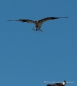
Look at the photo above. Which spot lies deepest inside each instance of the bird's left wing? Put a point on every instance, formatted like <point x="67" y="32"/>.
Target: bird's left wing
<point x="49" y="18"/>
<point x="24" y="20"/>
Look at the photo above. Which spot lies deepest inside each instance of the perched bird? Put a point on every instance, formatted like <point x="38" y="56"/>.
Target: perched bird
<point x="58" y="84"/>
<point x="38" y="23"/>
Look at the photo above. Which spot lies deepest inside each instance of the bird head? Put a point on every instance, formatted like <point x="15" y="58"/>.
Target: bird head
<point x="64" y="82"/>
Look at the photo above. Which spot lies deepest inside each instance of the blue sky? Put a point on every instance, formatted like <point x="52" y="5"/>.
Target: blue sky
<point x="28" y="58"/>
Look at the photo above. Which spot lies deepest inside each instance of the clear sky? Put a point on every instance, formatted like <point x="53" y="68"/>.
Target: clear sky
<point x="28" y="58"/>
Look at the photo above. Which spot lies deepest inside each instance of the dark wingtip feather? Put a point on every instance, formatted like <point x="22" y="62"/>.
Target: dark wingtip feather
<point x="10" y="20"/>
<point x="62" y="17"/>
<point x="17" y="20"/>
<point x="66" y="17"/>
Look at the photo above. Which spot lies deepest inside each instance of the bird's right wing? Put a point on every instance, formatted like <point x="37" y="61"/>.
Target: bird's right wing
<point x="24" y="20"/>
<point x="49" y="18"/>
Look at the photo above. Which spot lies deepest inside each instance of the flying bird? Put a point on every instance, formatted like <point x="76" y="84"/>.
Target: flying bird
<point x="58" y="84"/>
<point x="38" y="23"/>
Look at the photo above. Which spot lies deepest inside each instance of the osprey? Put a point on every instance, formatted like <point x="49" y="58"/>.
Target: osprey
<point x="38" y="23"/>
<point x="58" y="84"/>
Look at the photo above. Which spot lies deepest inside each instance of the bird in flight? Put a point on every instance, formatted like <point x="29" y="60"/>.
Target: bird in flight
<point x="58" y="84"/>
<point x="38" y="23"/>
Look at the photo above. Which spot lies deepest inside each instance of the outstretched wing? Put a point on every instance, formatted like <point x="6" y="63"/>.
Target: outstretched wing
<point x="50" y="85"/>
<point x="53" y="84"/>
<point x="24" y="20"/>
<point x="49" y="18"/>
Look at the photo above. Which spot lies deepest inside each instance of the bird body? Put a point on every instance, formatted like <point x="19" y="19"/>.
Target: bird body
<point x="38" y="23"/>
<point x="58" y="84"/>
